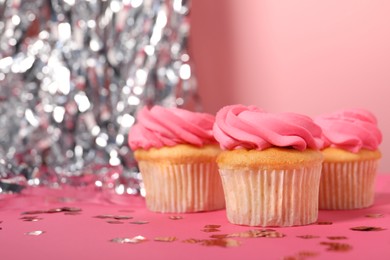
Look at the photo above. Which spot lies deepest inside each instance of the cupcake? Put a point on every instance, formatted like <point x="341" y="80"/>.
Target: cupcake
<point x="351" y="157"/>
<point x="270" y="166"/>
<point x="176" y="154"/>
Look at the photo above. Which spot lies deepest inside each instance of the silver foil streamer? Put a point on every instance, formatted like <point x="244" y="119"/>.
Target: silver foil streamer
<point x="73" y="74"/>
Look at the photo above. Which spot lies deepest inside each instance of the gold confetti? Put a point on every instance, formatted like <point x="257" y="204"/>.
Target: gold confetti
<point x="192" y="241"/>
<point x="308" y="236"/>
<point x="307" y="254"/>
<point x="374" y="215"/>
<point x="104" y="216"/>
<point x="114" y="222"/>
<point x="33" y="212"/>
<point x="121" y="217"/>
<point x="35" y="233"/>
<point x="31" y="218"/>
<point x="210" y="230"/>
<point x="219" y="236"/>
<point x="367" y="228"/>
<point x="269" y="233"/>
<point x="165" y="239"/>
<point x="337" y="247"/>
<point x="212" y="226"/>
<point x="175" y="217"/>
<point x="324" y="223"/>
<point x="337" y="237"/>
<point x="127" y="240"/>
<point x="139" y="222"/>
<point x="221" y="242"/>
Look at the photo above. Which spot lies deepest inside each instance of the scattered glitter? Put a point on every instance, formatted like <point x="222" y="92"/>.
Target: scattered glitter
<point x="374" y="215"/>
<point x="192" y="241"/>
<point x="104" y="216"/>
<point x="54" y="210"/>
<point x="114" y="222"/>
<point x="324" y="223"/>
<point x="337" y="237"/>
<point x="33" y="212"/>
<point x="307" y="254"/>
<point x="219" y="236"/>
<point x="220" y="242"/>
<point x="35" y="233"/>
<point x="308" y="236"/>
<point x="367" y="228"/>
<point x="337" y="247"/>
<point x="139" y="222"/>
<point x="175" y="217"/>
<point x="269" y="233"/>
<point x="122" y="217"/>
<point x="165" y="239"/>
<point x="31" y="218"/>
<point x="127" y="240"/>
<point x="212" y="226"/>
<point x="210" y="230"/>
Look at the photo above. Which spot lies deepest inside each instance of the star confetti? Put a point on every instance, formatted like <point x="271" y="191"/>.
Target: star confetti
<point x="367" y="228"/>
<point x="337" y="247"/>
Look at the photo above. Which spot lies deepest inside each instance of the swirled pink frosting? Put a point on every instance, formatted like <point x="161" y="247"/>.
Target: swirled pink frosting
<point x="160" y="126"/>
<point x="238" y="126"/>
<point x="350" y="129"/>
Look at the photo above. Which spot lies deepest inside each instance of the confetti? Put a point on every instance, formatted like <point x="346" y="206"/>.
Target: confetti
<point x="139" y="222"/>
<point x="221" y="242"/>
<point x="307" y="254"/>
<point x="122" y="217"/>
<point x="31" y="218"/>
<point x="308" y="236"/>
<point x="33" y="212"/>
<point x="324" y="223"/>
<point x="269" y="233"/>
<point x="114" y="222"/>
<point x="165" y="239"/>
<point x="219" y="236"/>
<point x="374" y="215"/>
<point x="367" y="228"/>
<point x="192" y="241"/>
<point x="212" y="226"/>
<point x="127" y="240"/>
<point x="337" y="237"/>
<point x="104" y="216"/>
<point x="210" y="230"/>
<point x="337" y="247"/>
<point x="175" y="217"/>
<point x="35" y="233"/>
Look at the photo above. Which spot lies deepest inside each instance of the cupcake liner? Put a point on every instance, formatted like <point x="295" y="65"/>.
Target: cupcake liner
<point x="179" y="188"/>
<point x="347" y="185"/>
<point x="271" y="197"/>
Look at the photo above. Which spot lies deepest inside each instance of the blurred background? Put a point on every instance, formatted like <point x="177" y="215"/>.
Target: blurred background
<point x="305" y="56"/>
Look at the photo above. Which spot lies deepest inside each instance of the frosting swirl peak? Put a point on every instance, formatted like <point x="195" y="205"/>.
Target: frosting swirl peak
<point x="238" y="126"/>
<point x="160" y="126"/>
<point x="350" y="129"/>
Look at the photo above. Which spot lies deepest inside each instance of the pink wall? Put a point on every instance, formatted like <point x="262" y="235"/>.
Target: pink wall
<point x="305" y="56"/>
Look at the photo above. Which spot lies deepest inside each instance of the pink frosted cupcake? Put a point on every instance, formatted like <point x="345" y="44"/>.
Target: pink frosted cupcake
<point x="176" y="154"/>
<point x="351" y="157"/>
<point x="270" y="166"/>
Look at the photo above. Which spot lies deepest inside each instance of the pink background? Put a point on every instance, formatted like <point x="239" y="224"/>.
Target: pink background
<point x="304" y="56"/>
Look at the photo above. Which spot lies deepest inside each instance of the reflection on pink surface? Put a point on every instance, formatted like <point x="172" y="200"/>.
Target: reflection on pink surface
<point x="73" y="224"/>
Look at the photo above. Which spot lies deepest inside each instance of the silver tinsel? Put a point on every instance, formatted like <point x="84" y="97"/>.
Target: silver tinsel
<point x="73" y="75"/>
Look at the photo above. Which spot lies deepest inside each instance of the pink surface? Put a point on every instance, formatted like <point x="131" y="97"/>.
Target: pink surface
<point x="305" y="56"/>
<point x="84" y="236"/>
